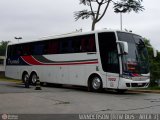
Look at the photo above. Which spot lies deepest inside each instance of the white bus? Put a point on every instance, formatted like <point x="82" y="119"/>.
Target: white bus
<point x="99" y="59"/>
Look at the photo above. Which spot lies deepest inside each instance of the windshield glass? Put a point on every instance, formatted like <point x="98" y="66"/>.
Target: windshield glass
<point x="136" y="61"/>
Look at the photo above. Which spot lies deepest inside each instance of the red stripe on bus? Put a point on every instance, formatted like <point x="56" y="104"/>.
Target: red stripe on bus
<point x="32" y="61"/>
<point x="78" y="63"/>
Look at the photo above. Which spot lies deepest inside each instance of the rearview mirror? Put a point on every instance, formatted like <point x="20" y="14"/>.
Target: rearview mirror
<point x="123" y="47"/>
<point x="154" y="52"/>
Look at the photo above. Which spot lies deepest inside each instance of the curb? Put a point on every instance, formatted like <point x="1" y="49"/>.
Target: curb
<point x="145" y="91"/>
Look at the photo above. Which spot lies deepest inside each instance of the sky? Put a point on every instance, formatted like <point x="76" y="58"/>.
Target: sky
<point x="33" y="19"/>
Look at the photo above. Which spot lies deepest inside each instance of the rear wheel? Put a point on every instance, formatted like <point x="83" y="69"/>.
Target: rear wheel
<point x="33" y="78"/>
<point x="25" y="77"/>
<point x="95" y="84"/>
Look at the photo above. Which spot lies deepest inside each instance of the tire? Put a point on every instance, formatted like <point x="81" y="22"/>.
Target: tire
<point x="95" y="84"/>
<point x="33" y="78"/>
<point x="25" y="77"/>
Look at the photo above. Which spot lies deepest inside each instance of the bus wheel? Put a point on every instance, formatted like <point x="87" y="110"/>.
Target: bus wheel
<point x="96" y="84"/>
<point x="33" y="78"/>
<point x="25" y="77"/>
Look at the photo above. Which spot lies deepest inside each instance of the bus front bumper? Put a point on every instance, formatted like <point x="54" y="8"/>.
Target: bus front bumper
<point x="131" y="84"/>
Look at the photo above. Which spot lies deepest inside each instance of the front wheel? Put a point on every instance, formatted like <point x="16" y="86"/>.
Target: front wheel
<point x="95" y="84"/>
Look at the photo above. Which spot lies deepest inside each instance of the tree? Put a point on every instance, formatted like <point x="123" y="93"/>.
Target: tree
<point x="101" y="7"/>
<point x="154" y="63"/>
<point x="3" y="46"/>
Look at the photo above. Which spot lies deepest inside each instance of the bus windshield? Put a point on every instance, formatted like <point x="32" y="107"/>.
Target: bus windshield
<point x="136" y="61"/>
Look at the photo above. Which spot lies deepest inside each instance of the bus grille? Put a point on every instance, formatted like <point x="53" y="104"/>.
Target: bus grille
<point x="136" y="84"/>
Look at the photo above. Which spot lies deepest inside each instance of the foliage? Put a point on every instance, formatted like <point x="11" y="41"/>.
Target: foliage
<point x="154" y="88"/>
<point x="128" y="6"/>
<point x="154" y="64"/>
<point x="102" y="6"/>
<point x="3" y="46"/>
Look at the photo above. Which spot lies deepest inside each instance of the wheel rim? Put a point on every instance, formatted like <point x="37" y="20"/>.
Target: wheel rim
<point x="34" y="78"/>
<point x="26" y="77"/>
<point x="96" y="83"/>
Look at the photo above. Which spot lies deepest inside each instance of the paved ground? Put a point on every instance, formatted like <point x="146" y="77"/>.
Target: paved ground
<point x="14" y="98"/>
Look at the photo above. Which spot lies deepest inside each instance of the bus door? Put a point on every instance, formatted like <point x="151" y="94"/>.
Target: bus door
<point x="112" y="68"/>
<point x="109" y="58"/>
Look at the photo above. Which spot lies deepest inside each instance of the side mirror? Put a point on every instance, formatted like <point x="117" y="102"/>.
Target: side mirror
<point x="123" y="47"/>
<point x="154" y="52"/>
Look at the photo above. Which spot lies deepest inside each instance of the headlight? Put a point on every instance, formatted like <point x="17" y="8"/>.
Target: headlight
<point x="127" y="77"/>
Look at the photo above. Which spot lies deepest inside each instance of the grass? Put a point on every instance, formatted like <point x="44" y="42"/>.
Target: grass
<point x="9" y="79"/>
<point x="153" y="88"/>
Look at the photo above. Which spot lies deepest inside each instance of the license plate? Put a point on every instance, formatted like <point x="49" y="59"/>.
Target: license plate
<point x="139" y="84"/>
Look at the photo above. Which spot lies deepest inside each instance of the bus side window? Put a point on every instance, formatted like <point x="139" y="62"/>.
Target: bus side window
<point x="88" y="44"/>
<point x="9" y="53"/>
<point x="26" y="49"/>
<point x="56" y="47"/>
<point x="13" y="50"/>
<point x="84" y="45"/>
<point x="19" y="53"/>
<point x="92" y="46"/>
<point x="66" y="45"/>
<point x="49" y="47"/>
<point x="19" y="50"/>
<point x="76" y="45"/>
<point x="52" y="47"/>
<point x="63" y="46"/>
<point x="38" y="49"/>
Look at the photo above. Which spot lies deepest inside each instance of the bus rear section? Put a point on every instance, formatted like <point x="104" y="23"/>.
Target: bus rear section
<point x="63" y="60"/>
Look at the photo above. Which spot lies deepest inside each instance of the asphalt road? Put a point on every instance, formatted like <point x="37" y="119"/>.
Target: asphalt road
<point x="16" y="99"/>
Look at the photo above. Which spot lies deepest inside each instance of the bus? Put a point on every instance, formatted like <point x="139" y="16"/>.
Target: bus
<point x="109" y="59"/>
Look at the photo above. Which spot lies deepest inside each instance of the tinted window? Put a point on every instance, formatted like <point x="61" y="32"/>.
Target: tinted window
<point x="52" y="47"/>
<point x="136" y="61"/>
<point x="26" y="49"/>
<point x="14" y="50"/>
<point x="65" y="45"/>
<point x="108" y="52"/>
<point x="77" y="44"/>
